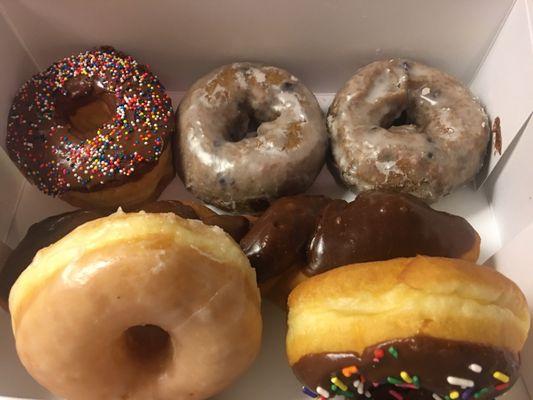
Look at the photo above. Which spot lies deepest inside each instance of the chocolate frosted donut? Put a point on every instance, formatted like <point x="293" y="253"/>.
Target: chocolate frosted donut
<point x="386" y="361"/>
<point x="278" y="239"/>
<point x="248" y="134"/>
<point x="400" y="125"/>
<point x="95" y="130"/>
<point x="424" y="328"/>
<point x="51" y="229"/>
<point x="384" y="225"/>
<point x="314" y="233"/>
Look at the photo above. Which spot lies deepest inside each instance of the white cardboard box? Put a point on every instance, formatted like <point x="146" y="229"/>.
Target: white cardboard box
<point x="486" y="43"/>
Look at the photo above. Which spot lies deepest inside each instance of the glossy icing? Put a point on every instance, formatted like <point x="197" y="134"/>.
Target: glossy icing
<point x="316" y="233"/>
<point x="384" y="225"/>
<point x="90" y="121"/>
<point x="248" y="134"/>
<point x="439" y="145"/>
<point x="279" y="238"/>
<point x="419" y="367"/>
<point x="51" y="229"/>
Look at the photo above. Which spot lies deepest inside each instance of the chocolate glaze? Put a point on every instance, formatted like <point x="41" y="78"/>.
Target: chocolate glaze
<point x="382" y="225"/>
<point x="236" y="226"/>
<point x="431" y="359"/>
<point x="90" y="121"/>
<point x="50" y="230"/>
<point x="279" y="237"/>
<point x="165" y="206"/>
<point x="40" y="235"/>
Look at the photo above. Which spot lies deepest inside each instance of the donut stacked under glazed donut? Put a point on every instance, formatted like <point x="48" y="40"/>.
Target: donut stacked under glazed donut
<point x="248" y="134"/>
<point x="51" y="229"/>
<point x="95" y="130"/>
<point x="401" y="125"/>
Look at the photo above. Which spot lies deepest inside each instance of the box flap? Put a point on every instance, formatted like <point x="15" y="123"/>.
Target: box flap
<point x="11" y="182"/>
<point x="504" y="82"/>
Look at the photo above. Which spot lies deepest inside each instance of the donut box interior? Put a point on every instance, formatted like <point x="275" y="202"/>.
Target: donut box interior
<point x="488" y="44"/>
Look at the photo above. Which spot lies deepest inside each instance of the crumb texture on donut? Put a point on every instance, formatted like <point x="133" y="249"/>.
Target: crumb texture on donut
<point x="404" y="126"/>
<point x="374" y="302"/>
<point x="137" y="306"/>
<point x="249" y="133"/>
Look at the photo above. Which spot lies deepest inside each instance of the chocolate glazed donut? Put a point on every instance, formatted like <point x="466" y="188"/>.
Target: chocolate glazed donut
<point x="95" y="130"/>
<point x="315" y="234"/>
<point x="424" y="328"/>
<point x="403" y="126"/>
<point x="51" y="229"/>
<point x="248" y="134"/>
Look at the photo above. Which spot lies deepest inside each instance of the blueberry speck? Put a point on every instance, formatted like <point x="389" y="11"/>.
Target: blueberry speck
<point x="287" y="86"/>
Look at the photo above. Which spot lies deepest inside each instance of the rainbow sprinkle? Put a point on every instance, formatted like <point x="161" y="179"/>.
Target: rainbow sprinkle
<point x="405" y="376"/>
<point x="393" y="352"/>
<point x="55" y="158"/>
<point x="353" y="384"/>
<point x="501" y="376"/>
<point x="337" y="382"/>
<point x="395" y="394"/>
<point x="349" y="371"/>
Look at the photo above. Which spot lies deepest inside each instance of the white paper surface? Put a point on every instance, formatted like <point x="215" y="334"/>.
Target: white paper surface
<point x="504" y="82"/>
<point x="322" y="42"/>
<point x="510" y="190"/>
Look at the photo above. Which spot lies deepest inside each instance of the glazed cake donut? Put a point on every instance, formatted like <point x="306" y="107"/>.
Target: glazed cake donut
<point x="410" y="328"/>
<point x="403" y="126"/>
<point x="51" y="229"/>
<point x="95" y="130"/>
<point x="135" y="306"/>
<point x="248" y="134"/>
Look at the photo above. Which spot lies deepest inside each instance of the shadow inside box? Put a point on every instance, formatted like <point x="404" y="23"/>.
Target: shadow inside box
<point x="270" y="377"/>
<point x="14" y="380"/>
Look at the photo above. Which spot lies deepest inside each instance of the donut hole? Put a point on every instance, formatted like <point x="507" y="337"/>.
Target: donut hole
<point x="149" y="345"/>
<point x="91" y="113"/>
<point x="86" y="106"/>
<point x="401" y="119"/>
<point x="247" y="122"/>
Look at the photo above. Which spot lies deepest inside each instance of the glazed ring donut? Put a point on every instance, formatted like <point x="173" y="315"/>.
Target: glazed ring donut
<point x="409" y="328"/>
<point x="400" y="125"/>
<point x="135" y="306"/>
<point x="95" y="130"/>
<point x="248" y="134"/>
